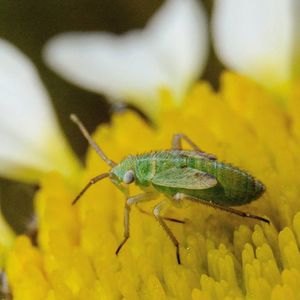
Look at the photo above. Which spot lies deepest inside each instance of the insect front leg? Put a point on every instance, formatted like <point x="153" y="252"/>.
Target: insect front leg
<point x="181" y="196"/>
<point x="129" y="202"/>
<point x="177" y="145"/>
<point x="157" y="211"/>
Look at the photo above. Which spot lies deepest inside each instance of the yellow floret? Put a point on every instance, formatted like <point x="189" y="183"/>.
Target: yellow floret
<point x="223" y="256"/>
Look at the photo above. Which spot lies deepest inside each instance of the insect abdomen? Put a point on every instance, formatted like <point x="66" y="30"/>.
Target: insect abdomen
<point x="238" y="186"/>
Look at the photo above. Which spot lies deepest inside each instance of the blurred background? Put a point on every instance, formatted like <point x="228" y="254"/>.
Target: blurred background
<point x="29" y="24"/>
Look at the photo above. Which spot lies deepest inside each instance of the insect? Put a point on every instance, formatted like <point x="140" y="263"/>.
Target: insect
<point x="179" y="175"/>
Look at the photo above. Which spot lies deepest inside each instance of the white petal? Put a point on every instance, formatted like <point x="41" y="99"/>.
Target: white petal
<point x="296" y="38"/>
<point x="29" y="133"/>
<point x="256" y="37"/>
<point x="178" y="35"/>
<point x="120" y="67"/>
<point x="170" y="52"/>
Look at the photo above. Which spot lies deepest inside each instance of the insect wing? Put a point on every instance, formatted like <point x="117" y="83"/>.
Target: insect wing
<point x="187" y="178"/>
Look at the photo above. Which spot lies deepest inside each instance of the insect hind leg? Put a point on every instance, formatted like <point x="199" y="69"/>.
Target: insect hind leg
<point x="177" y="145"/>
<point x="157" y="214"/>
<point x="181" y="196"/>
<point x="165" y="218"/>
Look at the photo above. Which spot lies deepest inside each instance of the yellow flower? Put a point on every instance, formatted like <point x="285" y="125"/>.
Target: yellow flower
<point x="223" y="256"/>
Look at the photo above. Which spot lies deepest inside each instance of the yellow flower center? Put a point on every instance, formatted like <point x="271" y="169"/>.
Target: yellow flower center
<point x="223" y="256"/>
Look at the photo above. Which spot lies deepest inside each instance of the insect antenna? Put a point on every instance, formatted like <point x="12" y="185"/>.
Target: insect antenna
<point x="85" y="133"/>
<point x="92" y="181"/>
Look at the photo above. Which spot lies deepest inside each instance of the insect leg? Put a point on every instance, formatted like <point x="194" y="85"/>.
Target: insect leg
<point x="129" y="202"/>
<point x="176" y="144"/>
<point x="165" y="218"/>
<point x="157" y="211"/>
<point x="92" y="181"/>
<point x="181" y="196"/>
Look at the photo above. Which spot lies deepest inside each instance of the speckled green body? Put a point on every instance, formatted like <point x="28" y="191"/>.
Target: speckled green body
<point x="234" y="187"/>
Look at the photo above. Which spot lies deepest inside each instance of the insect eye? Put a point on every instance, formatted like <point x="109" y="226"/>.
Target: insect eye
<point x="128" y="177"/>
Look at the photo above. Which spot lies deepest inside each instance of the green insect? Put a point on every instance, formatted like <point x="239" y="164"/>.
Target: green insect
<point x="179" y="175"/>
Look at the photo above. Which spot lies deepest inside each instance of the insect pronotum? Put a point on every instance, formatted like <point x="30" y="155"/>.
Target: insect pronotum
<point x="179" y="175"/>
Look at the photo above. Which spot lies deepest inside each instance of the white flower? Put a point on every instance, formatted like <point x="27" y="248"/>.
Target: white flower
<point x="259" y="38"/>
<point x="170" y="52"/>
<point x="31" y="140"/>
